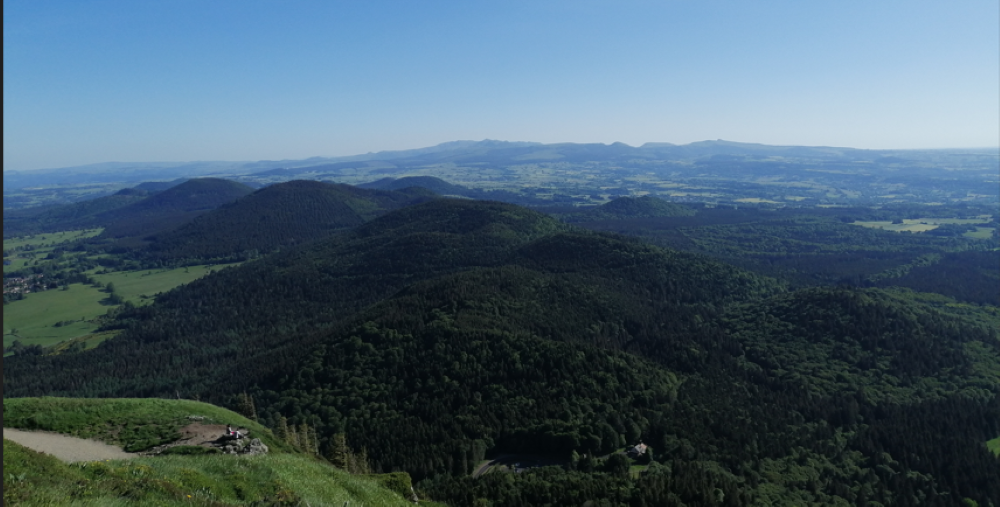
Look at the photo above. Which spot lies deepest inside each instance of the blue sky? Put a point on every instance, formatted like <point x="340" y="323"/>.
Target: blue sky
<point x="176" y="80"/>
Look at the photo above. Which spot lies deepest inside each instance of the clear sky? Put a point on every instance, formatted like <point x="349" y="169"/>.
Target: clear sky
<point x="174" y="80"/>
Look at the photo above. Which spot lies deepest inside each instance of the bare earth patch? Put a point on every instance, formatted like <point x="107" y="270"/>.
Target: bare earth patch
<point x="204" y="435"/>
<point x="65" y="447"/>
<point x="70" y="449"/>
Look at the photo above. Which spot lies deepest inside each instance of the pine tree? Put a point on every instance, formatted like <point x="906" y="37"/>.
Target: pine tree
<point x="305" y="443"/>
<point x="245" y="406"/>
<point x="313" y="441"/>
<point x="338" y="451"/>
<point x="358" y="463"/>
<point x="282" y="430"/>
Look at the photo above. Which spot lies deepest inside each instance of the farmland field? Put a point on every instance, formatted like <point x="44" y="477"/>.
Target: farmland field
<point x="927" y="224"/>
<point x="980" y="233"/>
<point x="133" y="285"/>
<point x="33" y="320"/>
<point x="21" y="251"/>
<point x="49" y="317"/>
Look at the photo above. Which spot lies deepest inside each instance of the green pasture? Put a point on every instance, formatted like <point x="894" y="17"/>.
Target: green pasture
<point x="928" y="224"/>
<point x="907" y="225"/>
<point x="133" y="285"/>
<point x="31" y="248"/>
<point x="49" y="240"/>
<point x="994" y="445"/>
<point x="282" y="477"/>
<point x="34" y="320"/>
<point x="58" y="194"/>
<point x="695" y="194"/>
<point x="756" y="200"/>
<point x="134" y="423"/>
<point x="35" y="479"/>
<point x="980" y="233"/>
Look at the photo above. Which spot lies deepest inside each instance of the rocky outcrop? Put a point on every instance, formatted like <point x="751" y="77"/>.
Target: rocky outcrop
<point x="249" y="446"/>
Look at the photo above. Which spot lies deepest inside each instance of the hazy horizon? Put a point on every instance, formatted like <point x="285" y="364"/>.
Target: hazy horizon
<point x="322" y="157"/>
<point x="94" y="82"/>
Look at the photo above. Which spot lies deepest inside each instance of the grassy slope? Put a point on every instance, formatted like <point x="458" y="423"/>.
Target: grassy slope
<point x="32" y="478"/>
<point x="135" y="423"/>
<point x="282" y="478"/>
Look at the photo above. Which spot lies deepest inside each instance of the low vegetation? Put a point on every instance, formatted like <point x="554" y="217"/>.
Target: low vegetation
<point x="135" y="424"/>
<point x="285" y="477"/>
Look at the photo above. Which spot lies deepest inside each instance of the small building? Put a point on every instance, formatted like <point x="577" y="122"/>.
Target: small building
<point x="636" y="451"/>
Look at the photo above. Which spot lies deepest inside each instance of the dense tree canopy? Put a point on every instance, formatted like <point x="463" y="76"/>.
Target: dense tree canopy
<point x="449" y="331"/>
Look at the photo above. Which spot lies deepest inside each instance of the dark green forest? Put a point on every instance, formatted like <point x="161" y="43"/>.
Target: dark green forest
<point x="131" y="212"/>
<point x="766" y="358"/>
<point x="631" y="207"/>
<point x="808" y="247"/>
<point x="277" y="216"/>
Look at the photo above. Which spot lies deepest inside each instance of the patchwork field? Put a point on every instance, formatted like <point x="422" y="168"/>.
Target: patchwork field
<point x="21" y="251"/>
<point x="140" y="286"/>
<point x="980" y="233"/>
<point x="49" y="317"/>
<point x="929" y="224"/>
<point x="756" y="200"/>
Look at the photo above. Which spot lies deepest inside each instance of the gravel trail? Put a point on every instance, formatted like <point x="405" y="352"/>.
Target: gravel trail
<point x="65" y="447"/>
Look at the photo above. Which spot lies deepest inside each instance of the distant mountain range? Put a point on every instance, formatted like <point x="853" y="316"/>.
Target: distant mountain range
<point x="487" y="151"/>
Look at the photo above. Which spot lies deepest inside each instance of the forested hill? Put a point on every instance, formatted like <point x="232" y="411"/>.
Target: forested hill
<point x="440" y="332"/>
<point x="436" y="185"/>
<point x="191" y="338"/>
<point x="274" y="217"/>
<point x="136" y="211"/>
<point x="632" y="207"/>
<point x="171" y="207"/>
<point x="81" y="215"/>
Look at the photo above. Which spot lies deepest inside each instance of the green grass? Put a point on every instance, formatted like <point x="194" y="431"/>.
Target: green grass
<point x="907" y="225"/>
<point x="283" y="477"/>
<point x="33" y="479"/>
<point x="49" y="240"/>
<point x="980" y="233"/>
<point x="87" y="341"/>
<point x="756" y="200"/>
<point x="136" y="424"/>
<point x="635" y="471"/>
<point x="40" y="245"/>
<point x="994" y="445"/>
<point x="36" y="317"/>
<point x="132" y="285"/>
<point x="928" y="224"/>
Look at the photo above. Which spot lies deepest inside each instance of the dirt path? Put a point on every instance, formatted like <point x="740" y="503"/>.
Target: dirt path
<point x="65" y="447"/>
